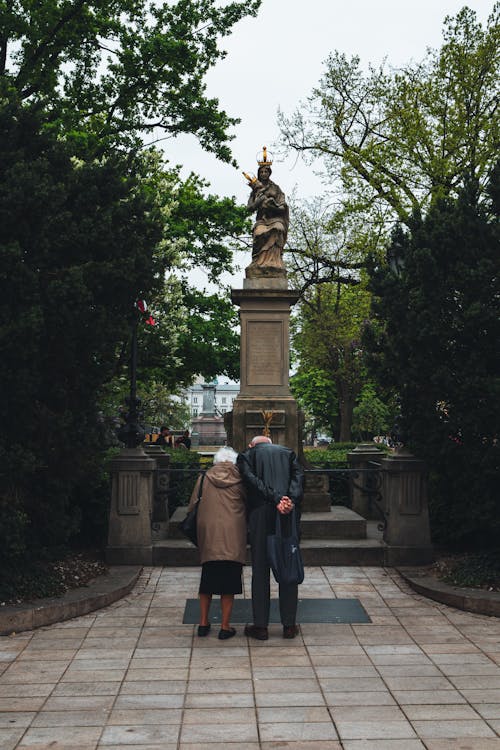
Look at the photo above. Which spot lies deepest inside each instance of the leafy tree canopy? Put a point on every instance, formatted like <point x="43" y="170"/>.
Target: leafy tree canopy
<point x="393" y="141"/>
<point x="328" y="338"/>
<point x="316" y="395"/>
<point x="106" y="72"/>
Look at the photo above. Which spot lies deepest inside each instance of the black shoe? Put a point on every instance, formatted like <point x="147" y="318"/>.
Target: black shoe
<point x="254" y="631"/>
<point x="203" y="630"/>
<point x="290" y="631"/>
<point x="225" y="634"/>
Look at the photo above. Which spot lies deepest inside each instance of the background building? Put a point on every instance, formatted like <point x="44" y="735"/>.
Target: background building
<point x="225" y="393"/>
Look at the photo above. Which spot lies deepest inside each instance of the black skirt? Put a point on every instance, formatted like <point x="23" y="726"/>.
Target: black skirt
<point x="221" y="577"/>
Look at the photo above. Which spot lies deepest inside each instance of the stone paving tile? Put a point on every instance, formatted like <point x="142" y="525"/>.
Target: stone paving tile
<point x="28" y="690"/>
<point x="85" y="688"/>
<point x="367" y="713"/>
<point x="434" y="697"/>
<point x="375" y="730"/>
<point x="161" y="687"/>
<point x="139" y="735"/>
<point x="141" y="715"/>
<point x="283" y="699"/>
<point x="376" y="698"/>
<point x="434" y="712"/>
<point x="452" y="729"/>
<point x="290" y="732"/>
<point x="61" y="737"/>
<point x="219" y="734"/>
<point x="79" y="703"/>
<point x="77" y="718"/>
<point x="21" y="704"/>
<point x="16" y="719"/>
<point x="145" y="702"/>
<point x="306" y="714"/>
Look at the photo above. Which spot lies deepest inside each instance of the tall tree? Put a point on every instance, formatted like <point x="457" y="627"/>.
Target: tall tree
<point x="67" y="278"/>
<point x="390" y="142"/>
<point x="439" y="305"/>
<point x="330" y="323"/>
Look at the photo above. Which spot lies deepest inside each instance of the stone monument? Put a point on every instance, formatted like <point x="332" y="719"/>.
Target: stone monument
<point x="209" y="426"/>
<point x="265" y="404"/>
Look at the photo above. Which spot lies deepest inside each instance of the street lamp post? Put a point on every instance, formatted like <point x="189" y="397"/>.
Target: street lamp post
<point x="132" y="431"/>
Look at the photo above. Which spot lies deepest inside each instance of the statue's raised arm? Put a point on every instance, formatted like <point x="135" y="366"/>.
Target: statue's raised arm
<point x="271" y="227"/>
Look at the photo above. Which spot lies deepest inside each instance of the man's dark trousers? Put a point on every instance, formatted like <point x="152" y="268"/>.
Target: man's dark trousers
<point x="259" y="523"/>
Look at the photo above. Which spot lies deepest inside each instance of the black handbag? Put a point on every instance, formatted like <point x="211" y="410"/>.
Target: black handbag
<point x="188" y="525"/>
<point x="283" y="553"/>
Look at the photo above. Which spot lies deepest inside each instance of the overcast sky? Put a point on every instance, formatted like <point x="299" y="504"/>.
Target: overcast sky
<point x="274" y="60"/>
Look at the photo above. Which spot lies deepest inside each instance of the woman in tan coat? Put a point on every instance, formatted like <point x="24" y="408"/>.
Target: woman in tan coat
<point x="221" y="530"/>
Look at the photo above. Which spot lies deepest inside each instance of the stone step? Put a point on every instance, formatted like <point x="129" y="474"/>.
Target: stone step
<point x="338" y="523"/>
<point x="370" y="551"/>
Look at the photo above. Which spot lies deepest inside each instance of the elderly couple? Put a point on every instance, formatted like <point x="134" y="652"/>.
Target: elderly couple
<point x="255" y="484"/>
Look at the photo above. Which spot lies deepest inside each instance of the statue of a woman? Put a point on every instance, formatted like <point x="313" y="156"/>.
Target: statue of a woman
<point x="271" y="227"/>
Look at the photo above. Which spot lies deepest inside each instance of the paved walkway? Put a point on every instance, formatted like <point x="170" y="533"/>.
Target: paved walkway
<point x="132" y="677"/>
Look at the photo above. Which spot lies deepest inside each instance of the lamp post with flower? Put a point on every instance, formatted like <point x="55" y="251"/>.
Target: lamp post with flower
<point x="132" y="476"/>
<point x="132" y="431"/>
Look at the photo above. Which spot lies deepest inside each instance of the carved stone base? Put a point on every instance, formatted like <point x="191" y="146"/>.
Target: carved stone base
<point x="246" y="421"/>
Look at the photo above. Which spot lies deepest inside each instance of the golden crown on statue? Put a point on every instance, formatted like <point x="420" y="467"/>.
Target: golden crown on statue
<point x="264" y="161"/>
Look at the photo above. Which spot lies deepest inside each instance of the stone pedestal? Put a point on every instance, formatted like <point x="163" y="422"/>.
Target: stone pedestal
<point x="404" y="491"/>
<point x="129" y="539"/>
<point x="363" y="484"/>
<point x="264" y="380"/>
<point x="209" y="430"/>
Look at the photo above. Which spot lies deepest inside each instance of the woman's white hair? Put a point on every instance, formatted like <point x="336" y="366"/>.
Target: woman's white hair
<point x="225" y="454"/>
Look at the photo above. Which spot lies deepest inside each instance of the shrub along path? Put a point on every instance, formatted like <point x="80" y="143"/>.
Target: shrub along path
<point x="420" y="676"/>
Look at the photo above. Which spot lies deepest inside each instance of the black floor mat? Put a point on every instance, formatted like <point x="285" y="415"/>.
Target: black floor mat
<point x="308" y="611"/>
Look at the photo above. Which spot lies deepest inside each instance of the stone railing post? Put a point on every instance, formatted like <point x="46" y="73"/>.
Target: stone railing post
<point x="359" y="487"/>
<point x="404" y="492"/>
<point x="161" y="479"/>
<point x="129" y="538"/>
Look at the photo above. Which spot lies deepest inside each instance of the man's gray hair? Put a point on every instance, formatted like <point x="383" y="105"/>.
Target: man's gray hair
<point x="225" y="454"/>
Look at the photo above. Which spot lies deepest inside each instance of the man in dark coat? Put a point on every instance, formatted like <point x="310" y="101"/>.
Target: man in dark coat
<point x="273" y="479"/>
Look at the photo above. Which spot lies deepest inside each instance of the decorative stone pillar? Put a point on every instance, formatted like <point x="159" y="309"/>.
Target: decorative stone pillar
<point x="361" y="486"/>
<point x="404" y="491"/>
<point x="161" y="478"/>
<point x="129" y="539"/>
